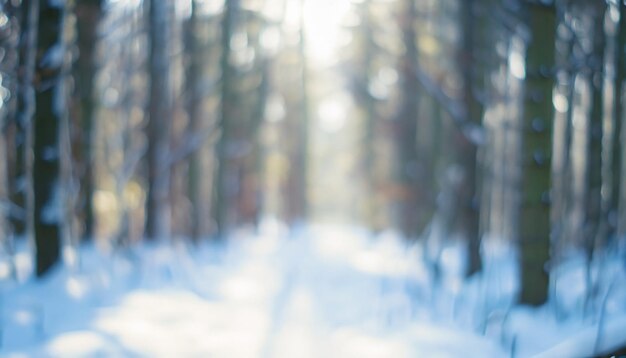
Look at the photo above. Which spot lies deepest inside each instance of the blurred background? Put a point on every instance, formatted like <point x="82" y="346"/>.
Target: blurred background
<point x="477" y="123"/>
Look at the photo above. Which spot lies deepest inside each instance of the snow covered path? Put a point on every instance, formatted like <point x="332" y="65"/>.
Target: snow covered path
<point x="323" y="293"/>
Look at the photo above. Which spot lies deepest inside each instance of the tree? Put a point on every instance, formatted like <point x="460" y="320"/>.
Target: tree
<point x="9" y="48"/>
<point x="160" y="111"/>
<point x="21" y="191"/>
<point x="193" y="78"/>
<point x="299" y="170"/>
<point x="466" y="150"/>
<point x="411" y="170"/>
<point x="362" y="81"/>
<point x="50" y="113"/>
<point x="594" y="220"/>
<point x="88" y="16"/>
<point x="223" y="189"/>
<point x="617" y="211"/>
<point x="534" y="214"/>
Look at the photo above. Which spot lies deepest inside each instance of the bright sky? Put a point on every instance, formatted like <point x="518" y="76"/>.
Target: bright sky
<point x="323" y="29"/>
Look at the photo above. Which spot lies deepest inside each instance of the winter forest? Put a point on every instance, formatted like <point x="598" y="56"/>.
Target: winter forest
<point x="312" y="178"/>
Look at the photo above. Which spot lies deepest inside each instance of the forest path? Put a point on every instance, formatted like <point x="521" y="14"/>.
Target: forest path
<point x="322" y="293"/>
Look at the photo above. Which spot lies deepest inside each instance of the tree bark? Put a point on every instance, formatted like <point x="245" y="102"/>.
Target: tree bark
<point x="534" y="215"/>
<point x="414" y="170"/>
<point x="467" y="152"/>
<point x="88" y="16"/>
<point x="617" y="208"/>
<point x="21" y="192"/>
<point x="193" y="79"/>
<point x="223" y="185"/>
<point x="158" y="211"/>
<point x="50" y="112"/>
<point x="593" y="164"/>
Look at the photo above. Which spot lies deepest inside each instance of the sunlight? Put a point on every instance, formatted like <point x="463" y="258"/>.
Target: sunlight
<point x="322" y="24"/>
<point x="333" y="112"/>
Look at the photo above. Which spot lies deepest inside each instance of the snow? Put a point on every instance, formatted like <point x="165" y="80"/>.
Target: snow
<point x="323" y="291"/>
<point x="51" y="212"/>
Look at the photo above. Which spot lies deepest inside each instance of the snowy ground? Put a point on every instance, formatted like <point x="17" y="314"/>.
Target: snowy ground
<point x="325" y="292"/>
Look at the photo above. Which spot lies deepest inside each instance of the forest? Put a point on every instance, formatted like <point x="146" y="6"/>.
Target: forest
<point x="313" y="178"/>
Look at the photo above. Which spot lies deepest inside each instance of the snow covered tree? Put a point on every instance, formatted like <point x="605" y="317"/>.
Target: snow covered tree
<point x="534" y="215"/>
<point x="50" y="114"/>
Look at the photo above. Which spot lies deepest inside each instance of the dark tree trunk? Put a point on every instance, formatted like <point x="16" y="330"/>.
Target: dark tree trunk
<point x="593" y="169"/>
<point x="467" y="151"/>
<point x="21" y="192"/>
<point x="617" y="207"/>
<point x="50" y="112"/>
<point x="88" y="16"/>
<point x="534" y="218"/>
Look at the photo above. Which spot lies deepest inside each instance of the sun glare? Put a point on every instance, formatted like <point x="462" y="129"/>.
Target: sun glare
<point x="323" y="30"/>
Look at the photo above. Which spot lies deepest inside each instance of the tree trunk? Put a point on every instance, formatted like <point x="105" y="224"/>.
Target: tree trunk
<point x="50" y="112"/>
<point x="193" y="79"/>
<point x="467" y="151"/>
<point x="158" y="212"/>
<point x="21" y="192"/>
<point x="413" y="172"/>
<point x="88" y="15"/>
<point x="223" y="185"/>
<point x="534" y="216"/>
<point x="297" y="198"/>
<point x="369" y="139"/>
<point x="593" y="165"/>
<point x="302" y="152"/>
<point x="617" y="208"/>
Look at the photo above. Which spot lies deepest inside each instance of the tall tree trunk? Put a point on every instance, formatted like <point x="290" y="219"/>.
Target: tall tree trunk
<point x="297" y="198"/>
<point x="302" y="152"/>
<point x="50" y="112"/>
<point x="467" y="151"/>
<point x="412" y="172"/>
<point x="158" y="212"/>
<point x="250" y="198"/>
<point x="9" y="46"/>
<point x="593" y="165"/>
<point x="369" y="139"/>
<point x="223" y="185"/>
<point x="594" y="219"/>
<point x="534" y="218"/>
<point x="193" y="79"/>
<point x="88" y="16"/>
<point x="21" y="192"/>
<point x="617" y="208"/>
